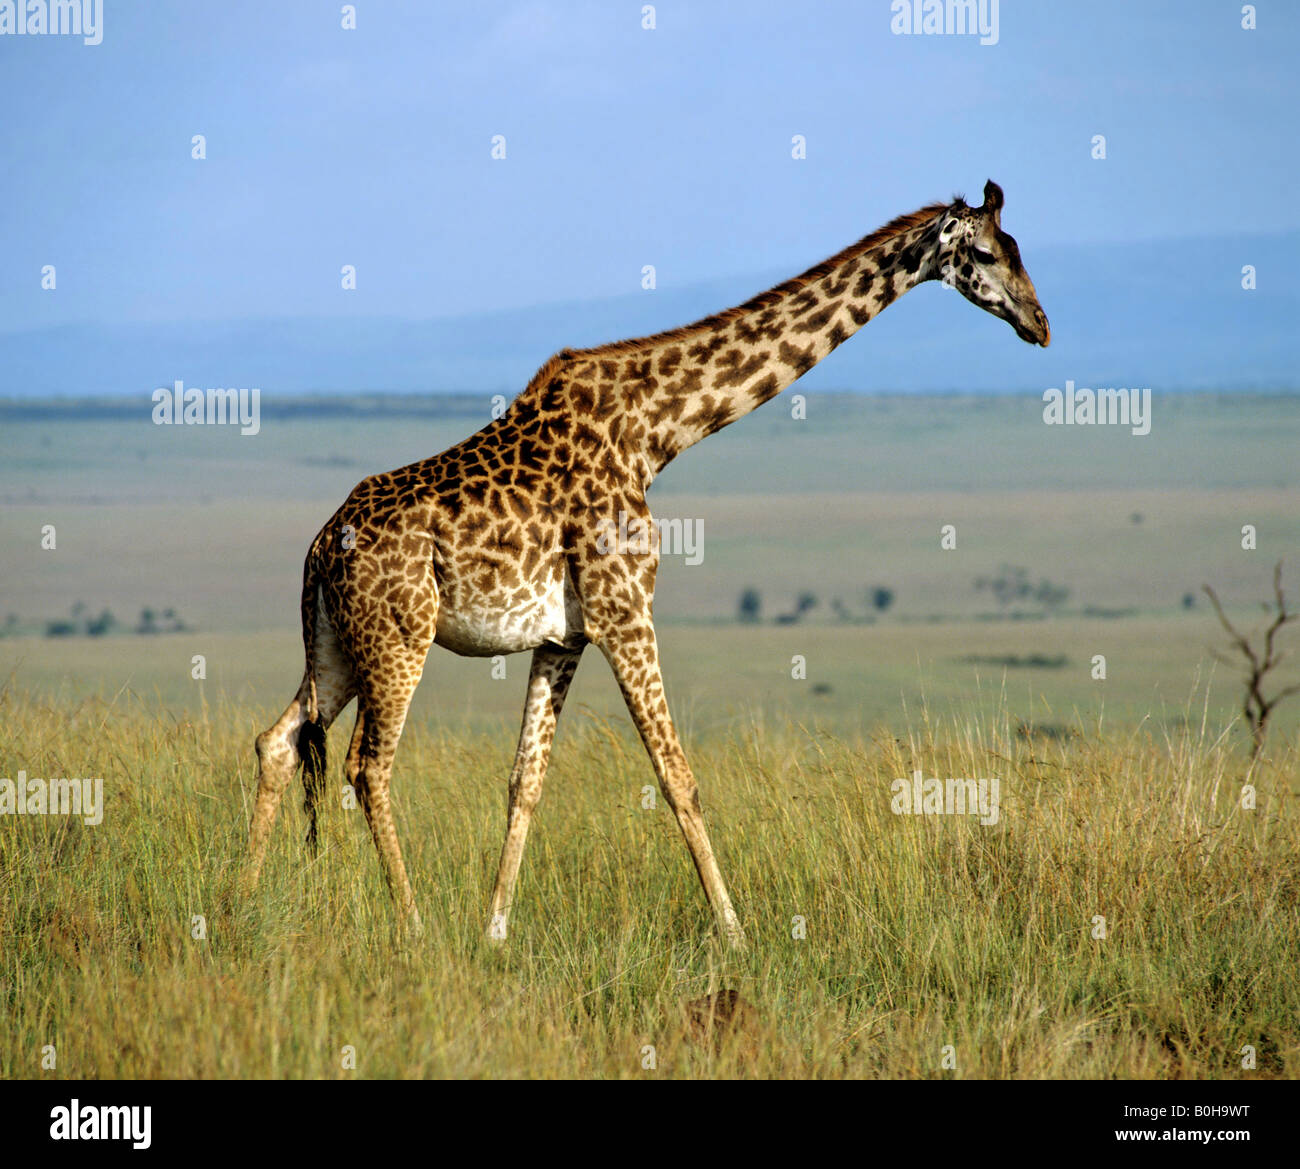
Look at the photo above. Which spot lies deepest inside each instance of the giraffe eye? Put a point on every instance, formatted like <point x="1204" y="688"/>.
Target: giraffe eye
<point x="982" y="256"/>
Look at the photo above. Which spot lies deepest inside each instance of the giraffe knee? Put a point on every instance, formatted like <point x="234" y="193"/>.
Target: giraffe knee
<point x="276" y="759"/>
<point x="527" y="796"/>
<point x="682" y="793"/>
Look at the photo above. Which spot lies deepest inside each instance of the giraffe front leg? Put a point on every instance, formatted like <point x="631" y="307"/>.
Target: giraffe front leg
<point x="548" y="682"/>
<point x="634" y="655"/>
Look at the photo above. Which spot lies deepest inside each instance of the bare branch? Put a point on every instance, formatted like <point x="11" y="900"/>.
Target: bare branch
<point x="1256" y="707"/>
<point x="1282" y="617"/>
<point x="1240" y="641"/>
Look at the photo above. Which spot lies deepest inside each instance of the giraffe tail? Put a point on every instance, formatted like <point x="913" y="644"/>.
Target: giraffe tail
<point x="310" y="601"/>
<point x="311" y="735"/>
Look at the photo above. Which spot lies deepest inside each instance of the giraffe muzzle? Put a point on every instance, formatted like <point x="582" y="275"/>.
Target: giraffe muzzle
<point x="1032" y="327"/>
<point x="1044" y="337"/>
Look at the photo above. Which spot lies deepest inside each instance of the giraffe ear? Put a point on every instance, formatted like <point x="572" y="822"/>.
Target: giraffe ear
<point x="993" y="199"/>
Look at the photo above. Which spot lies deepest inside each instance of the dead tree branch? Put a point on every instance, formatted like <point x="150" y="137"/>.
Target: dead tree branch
<point x="1259" y="663"/>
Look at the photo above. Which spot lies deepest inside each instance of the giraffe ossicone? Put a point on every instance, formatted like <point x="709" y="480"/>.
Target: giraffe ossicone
<point x="499" y="545"/>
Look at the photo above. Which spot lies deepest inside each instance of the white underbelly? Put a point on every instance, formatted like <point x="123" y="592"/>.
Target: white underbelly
<point x="553" y="619"/>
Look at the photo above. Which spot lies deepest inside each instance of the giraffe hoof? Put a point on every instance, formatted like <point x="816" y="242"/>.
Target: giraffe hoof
<point x="412" y="926"/>
<point x="733" y="933"/>
<point x="496" y="930"/>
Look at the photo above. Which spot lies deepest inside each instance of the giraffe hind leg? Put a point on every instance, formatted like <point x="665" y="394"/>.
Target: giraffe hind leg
<point x="380" y="720"/>
<point x="387" y="671"/>
<point x="293" y="737"/>
<point x="277" y="760"/>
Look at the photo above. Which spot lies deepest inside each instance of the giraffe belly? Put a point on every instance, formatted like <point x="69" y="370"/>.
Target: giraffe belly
<point x="479" y="631"/>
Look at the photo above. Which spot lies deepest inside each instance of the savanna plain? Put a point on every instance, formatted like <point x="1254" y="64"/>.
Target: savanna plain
<point x="1133" y="912"/>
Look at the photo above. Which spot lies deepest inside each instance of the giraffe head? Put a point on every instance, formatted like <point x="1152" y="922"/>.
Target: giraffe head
<point x="983" y="263"/>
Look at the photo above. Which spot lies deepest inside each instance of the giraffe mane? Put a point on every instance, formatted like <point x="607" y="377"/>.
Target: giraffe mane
<point x="894" y="227"/>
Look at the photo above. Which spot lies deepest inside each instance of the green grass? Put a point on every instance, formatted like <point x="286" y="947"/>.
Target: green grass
<point x="921" y="932"/>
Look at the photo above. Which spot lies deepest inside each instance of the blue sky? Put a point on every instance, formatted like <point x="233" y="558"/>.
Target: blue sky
<point x="625" y="147"/>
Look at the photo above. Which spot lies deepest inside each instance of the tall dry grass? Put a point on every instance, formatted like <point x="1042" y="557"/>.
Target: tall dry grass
<point x="933" y="946"/>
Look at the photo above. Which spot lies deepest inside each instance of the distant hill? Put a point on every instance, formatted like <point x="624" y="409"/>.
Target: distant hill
<point x="1165" y="314"/>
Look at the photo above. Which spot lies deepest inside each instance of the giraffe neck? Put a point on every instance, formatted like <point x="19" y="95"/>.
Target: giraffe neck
<point x="679" y="387"/>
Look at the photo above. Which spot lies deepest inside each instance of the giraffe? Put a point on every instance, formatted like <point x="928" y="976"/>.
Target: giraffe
<point x="495" y="546"/>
